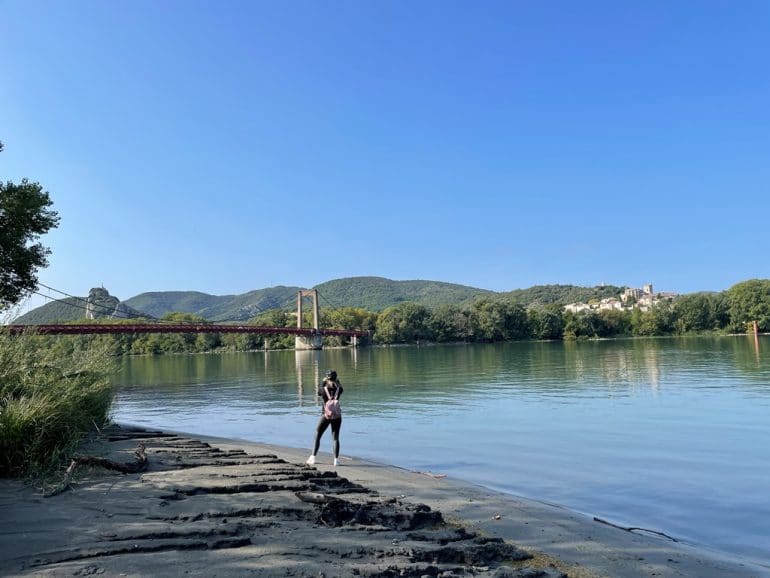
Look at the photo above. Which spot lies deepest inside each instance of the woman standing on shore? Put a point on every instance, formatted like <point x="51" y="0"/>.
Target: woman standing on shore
<point x="329" y="391"/>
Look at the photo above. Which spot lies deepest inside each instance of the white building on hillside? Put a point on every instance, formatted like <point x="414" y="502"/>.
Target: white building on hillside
<point x="631" y="298"/>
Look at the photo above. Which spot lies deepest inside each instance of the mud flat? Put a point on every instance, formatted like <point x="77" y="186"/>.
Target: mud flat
<point x="214" y="507"/>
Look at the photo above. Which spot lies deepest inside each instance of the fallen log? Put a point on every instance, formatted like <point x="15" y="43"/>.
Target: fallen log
<point x="313" y="497"/>
<point x="139" y="464"/>
<point x="635" y="529"/>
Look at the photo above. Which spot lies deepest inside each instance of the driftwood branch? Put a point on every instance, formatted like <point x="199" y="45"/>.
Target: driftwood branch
<point x="635" y="529"/>
<point x="138" y="465"/>
<point x="313" y="497"/>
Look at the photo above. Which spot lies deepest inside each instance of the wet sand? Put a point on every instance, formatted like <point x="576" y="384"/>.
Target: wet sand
<point x="214" y="507"/>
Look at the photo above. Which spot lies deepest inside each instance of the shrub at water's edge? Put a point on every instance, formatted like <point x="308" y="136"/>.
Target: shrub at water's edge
<point x="50" y="399"/>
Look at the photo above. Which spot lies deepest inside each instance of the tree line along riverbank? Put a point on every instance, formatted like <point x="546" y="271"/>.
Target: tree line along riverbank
<point x="483" y="321"/>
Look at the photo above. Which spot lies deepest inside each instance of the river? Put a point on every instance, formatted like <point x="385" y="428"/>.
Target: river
<point x="671" y="435"/>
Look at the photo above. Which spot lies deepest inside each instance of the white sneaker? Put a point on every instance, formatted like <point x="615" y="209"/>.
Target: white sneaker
<point x="336" y="462"/>
<point x="311" y="461"/>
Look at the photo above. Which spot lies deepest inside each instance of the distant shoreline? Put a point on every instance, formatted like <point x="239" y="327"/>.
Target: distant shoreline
<point x="457" y="343"/>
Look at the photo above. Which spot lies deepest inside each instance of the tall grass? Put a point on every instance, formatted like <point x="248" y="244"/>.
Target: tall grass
<point x="51" y="397"/>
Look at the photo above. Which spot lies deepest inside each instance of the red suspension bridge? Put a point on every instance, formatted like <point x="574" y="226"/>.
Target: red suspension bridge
<point x="306" y="337"/>
<point x="105" y="328"/>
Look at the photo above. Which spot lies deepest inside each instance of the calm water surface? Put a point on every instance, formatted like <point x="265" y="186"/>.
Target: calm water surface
<point x="667" y="434"/>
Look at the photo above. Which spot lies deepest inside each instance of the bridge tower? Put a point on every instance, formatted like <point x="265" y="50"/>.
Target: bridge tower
<point x="310" y="341"/>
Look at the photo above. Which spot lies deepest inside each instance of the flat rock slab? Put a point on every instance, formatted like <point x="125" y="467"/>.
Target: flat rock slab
<point x="202" y="510"/>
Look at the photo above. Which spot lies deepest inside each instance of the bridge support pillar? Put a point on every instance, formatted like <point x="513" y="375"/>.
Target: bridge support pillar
<point x="308" y="342"/>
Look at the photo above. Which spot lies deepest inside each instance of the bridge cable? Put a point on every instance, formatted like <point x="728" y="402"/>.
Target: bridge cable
<point x="108" y="310"/>
<point x="104" y="308"/>
<point x="325" y="298"/>
<point x="76" y="305"/>
<point x="140" y="314"/>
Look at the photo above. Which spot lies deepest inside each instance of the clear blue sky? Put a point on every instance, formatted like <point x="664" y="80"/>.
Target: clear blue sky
<point x="230" y="146"/>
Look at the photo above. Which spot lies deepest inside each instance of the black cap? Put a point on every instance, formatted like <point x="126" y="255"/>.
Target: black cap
<point x="331" y="374"/>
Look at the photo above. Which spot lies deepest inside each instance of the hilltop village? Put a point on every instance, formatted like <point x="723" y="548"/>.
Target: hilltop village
<point x="631" y="298"/>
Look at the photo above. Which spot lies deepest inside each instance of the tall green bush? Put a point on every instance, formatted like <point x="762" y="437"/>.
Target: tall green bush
<point x="50" y="398"/>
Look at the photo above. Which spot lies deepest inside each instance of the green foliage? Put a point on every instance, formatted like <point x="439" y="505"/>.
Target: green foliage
<point x="24" y="216"/>
<point x="276" y="318"/>
<point x="749" y="301"/>
<point x="63" y="310"/>
<point x="241" y="341"/>
<point x="582" y="325"/>
<point x="615" y="323"/>
<point x="448" y="323"/>
<point x="404" y="323"/>
<point x="213" y="307"/>
<point x="700" y="312"/>
<point x="161" y="303"/>
<point x="50" y="398"/>
<point x="547" y="323"/>
<point x="659" y="320"/>
<point x="499" y="321"/>
<point x="378" y="293"/>
<point x="541" y="296"/>
<point x="353" y="318"/>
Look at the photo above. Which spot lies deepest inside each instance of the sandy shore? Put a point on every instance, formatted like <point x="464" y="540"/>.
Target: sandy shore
<point x="213" y="507"/>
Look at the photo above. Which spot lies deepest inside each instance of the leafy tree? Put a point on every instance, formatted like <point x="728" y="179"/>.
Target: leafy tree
<point x="700" y="312"/>
<point x="499" y="320"/>
<point x="350" y="318"/>
<point x="241" y="341"/>
<point x="276" y="318"/>
<point x="583" y="325"/>
<point x="354" y="318"/>
<point x="615" y="323"/>
<point x="207" y="341"/>
<point x="720" y="311"/>
<point x="547" y="323"/>
<point x="24" y="216"/>
<point x="402" y="323"/>
<point x="449" y="323"/>
<point x="750" y="301"/>
<point x="659" y="320"/>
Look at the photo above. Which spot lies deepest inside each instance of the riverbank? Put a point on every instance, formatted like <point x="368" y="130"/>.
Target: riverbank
<point x="214" y="507"/>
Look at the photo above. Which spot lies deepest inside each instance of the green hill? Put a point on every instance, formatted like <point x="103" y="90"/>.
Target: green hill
<point x="215" y="307"/>
<point x="68" y="309"/>
<point x="247" y="305"/>
<point x="542" y="295"/>
<point x="158" y="303"/>
<point x="378" y="293"/>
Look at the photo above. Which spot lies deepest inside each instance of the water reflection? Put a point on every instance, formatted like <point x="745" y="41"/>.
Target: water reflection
<point x="447" y="372"/>
<point x="307" y="367"/>
<point x="756" y="346"/>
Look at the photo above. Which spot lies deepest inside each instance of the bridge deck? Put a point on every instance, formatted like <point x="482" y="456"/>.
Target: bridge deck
<point x="107" y="328"/>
